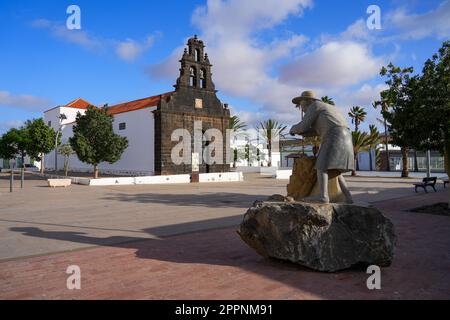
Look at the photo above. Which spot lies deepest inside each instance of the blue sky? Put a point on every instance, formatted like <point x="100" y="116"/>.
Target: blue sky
<point x="264" y="52"/>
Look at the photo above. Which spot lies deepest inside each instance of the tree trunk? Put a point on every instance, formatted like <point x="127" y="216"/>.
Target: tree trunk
<point x="416" y="164"/>
<point x="270" y="155"/>
<point x="386" y="142"/>
<point x="66" y="167"/>
<point x="354" y="171"/>
<point x="96" y="171"/>
<point x="42" y="163"/>
<point x="370" y="159"/>
<point x="405" y="171"/>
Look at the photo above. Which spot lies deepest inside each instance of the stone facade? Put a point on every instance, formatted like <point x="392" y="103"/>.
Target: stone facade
<point x="194" y="99"/>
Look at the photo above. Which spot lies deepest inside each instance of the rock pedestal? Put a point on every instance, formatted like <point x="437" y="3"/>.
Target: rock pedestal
<point x="323" y="237"/>
<point x="303" y="182"/>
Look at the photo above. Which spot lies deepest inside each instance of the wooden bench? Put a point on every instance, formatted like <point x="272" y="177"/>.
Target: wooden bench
<point x="427" y="182"/>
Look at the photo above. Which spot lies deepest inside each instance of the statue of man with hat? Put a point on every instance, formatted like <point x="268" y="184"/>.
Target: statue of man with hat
<point x="336" y="152"/>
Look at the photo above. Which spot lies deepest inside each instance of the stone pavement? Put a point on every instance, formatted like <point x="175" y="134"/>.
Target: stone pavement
<point x="209" y="262"/>
<point x="118" y="214"/>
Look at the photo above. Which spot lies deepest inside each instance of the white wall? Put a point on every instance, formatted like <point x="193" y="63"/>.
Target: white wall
<point x="138" y="158"/>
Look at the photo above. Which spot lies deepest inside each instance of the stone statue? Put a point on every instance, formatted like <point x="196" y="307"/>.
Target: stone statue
<point x="336" y="152"/>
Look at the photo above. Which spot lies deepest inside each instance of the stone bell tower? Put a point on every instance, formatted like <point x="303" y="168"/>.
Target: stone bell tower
<point x="193" y="101"/>
<point x="195" y="71"/>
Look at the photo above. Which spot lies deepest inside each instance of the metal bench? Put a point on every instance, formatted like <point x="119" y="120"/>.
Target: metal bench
<point x="427" y="182"/>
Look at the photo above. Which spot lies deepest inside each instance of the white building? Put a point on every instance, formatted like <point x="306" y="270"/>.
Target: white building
<point x="134" y="120"/>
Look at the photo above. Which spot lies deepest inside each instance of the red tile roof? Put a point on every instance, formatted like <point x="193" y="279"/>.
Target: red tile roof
<point x="138" y="104"/>
<point x="79" y="104"/>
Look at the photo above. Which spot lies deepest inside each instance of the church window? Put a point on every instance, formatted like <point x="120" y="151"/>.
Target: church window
<point x="192" y="77"/>
<point x="197" y="55"/>
<point x="203" y="78"/>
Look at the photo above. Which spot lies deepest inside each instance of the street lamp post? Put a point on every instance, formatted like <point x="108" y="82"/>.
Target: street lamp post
<point x="61" y="118"/>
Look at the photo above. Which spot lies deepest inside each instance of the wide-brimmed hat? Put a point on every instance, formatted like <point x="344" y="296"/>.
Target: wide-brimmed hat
<point x="305" y="96"/>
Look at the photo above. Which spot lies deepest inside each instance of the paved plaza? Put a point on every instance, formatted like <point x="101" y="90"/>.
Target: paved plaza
<point x="179" y="242"/>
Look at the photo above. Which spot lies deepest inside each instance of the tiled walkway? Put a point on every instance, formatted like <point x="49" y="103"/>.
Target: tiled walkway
<point x="216" y="264"/>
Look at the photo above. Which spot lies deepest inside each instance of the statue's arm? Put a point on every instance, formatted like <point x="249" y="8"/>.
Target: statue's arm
<point x="310" y="133"/>
<point x="305" y="128"/>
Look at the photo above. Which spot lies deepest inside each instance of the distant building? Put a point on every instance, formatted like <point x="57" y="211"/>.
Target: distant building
<point x="148" y="123"/>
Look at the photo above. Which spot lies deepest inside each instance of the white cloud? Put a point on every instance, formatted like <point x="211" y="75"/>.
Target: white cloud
<point x="335" y="64"/>
<point x="246" y="67"/>
<point x="417" y="26"/>
<point x="23" y="101"/>
<point x="364" y="96"/>
<point x="78" y="37"/>
<point x="9" y="124"/>
<point x="235" y="18"/>
<point x="130" y="49"/>
<point x="127" y="50"/>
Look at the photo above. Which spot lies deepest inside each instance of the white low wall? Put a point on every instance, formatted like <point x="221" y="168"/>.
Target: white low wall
<point x="221" y="177"/>
<point x="261" y="170"/>
<point x="283" y="174"/>
<point x="182" y="178"/>
<point x="127" y="181"/>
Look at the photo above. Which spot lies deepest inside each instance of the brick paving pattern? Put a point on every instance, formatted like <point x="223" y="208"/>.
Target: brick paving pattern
<point x="216" y="264"/>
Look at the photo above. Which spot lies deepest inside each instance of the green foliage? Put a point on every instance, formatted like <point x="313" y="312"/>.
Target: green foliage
<point x="236" y="125"/>
<point x="13" y="143"/>
<point x="271" y="131"/>
<point x="94" y="140"/>
<point x="358" y="115"/>
<point x="328" y="100"/>
<point x="66" y="150"/>
<point x="41" y="137"/>
<point x="361" y="142"/>
<point x="405" y="115"/>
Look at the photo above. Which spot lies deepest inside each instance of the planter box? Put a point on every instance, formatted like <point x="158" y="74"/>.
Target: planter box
<point x="59" y="183"/>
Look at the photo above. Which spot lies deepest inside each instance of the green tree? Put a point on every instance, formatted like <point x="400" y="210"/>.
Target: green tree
<point x="66" y="151"/>
<point x="15" y="142"/>
<point x="384" y="108"/>
<point x="42" y="140"/>
<point x="94" y="140"/>
<point x="374" y="139"/>
<point x="328" y="100"/>
<point x="271" y="131"/>
<point x="358" y="115"/>
<point x="404" y="113"/>
<point x="360" y="143"/>
<point x="435" y="98"/>
<point x="8" y="150"/>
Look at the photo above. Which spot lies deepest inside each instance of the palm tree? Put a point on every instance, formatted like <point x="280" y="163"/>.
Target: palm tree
<point x="360" y="143"/>
<point x="237" y="127"/>
<point x="358" y="115"/>
<point x="328" y="100"/>
<point x="373" y="142"/>
<point x="384" y="108"/>
<point x="271" y="131"/>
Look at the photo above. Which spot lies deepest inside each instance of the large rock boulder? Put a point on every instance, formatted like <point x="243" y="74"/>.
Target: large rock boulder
<point x="303" y="182"/>
<point x="323" y="237"/>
